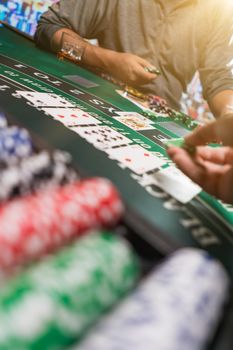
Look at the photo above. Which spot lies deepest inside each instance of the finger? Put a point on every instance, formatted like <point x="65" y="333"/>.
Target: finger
<point x="152" y="71"/>
<point x="143" y="77"/>
<point x="195" y="171"/>
<point x="225" y="187"/>
<point x="213" y="178"/>
<point x="224" y="127"/>
<point x="219" y="130"/>
<point x="221" y="155"/>
<point x="150" y="75"/>
<point x="202" y="135"/>
<point x="143" y="63"/>
<point x="208" y="175"/>
<point x="186" y="163"/>
<point x="172" y="150"/>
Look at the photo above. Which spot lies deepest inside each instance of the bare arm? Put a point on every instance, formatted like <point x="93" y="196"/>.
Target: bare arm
<point x="220" y="130"/>
<point x="124" y="66"/>
<point x="222" y="103"/>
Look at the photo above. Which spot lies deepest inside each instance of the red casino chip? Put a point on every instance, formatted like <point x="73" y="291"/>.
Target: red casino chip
<point x="37" y="224"/>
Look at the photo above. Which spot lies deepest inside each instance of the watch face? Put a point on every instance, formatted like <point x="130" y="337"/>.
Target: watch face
<point x="71" y="48"/>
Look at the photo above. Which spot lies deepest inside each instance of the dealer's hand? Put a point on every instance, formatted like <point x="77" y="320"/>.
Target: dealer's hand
<point x="130" y="68"/>
<point x="220" y="130"/>
<point x="211" y="168"/>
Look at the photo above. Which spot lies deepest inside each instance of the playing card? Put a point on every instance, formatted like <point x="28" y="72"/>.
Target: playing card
<point x="136" y="158"/>
<point x="136" y="101"/>
<point x="42" y="99"/>
<point x="102" y="137"/>
<point x="71" y="116"/>
<point x="134" y="121"/>
<point x="175" y="183"/>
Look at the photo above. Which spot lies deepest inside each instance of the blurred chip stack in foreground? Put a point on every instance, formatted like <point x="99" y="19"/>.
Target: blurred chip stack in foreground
<point x="51" y="304"/>
<point x="177" y="307"/>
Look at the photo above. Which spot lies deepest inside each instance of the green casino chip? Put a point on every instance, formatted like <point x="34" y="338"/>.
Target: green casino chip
<point x="179" y="142"/>
<point x="148" y="113"/>
<point x="52" y="303"/>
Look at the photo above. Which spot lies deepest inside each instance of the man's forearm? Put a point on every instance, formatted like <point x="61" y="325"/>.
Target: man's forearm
<point x="123" y="66"/>
<point x="222" y="103"/>
<point x="92" y="56"/>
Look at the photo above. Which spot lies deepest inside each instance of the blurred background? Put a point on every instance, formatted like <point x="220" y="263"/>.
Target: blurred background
<point x="24" y="14"/>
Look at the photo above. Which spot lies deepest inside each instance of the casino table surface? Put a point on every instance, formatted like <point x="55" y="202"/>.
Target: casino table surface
<point x="152" y="214"/>
<point x="160" y="219"/>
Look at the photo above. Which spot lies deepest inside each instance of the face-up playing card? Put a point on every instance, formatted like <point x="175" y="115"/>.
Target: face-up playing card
<point x="42" y="99"/>
<point x="136" y="158"/>
<point x="102" y="137"/>
<point x="175" y="183"/>
<point x="71" y="116"/>
<point x="134" y="121"/>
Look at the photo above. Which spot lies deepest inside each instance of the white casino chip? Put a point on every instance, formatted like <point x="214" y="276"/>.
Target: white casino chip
<point x="176" y="308"/>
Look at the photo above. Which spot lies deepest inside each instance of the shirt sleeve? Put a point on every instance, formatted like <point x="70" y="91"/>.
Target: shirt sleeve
<point x="85" y="17"/>
<point x="216" y="68"/>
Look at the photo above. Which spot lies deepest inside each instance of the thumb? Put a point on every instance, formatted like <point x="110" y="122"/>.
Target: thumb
<point x="220" y="130"/>
<point x="224" y="130"/>
<point x="202" y="135"/>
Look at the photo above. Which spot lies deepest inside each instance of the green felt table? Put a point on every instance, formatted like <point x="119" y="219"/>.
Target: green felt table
<point x="165" y="223"/>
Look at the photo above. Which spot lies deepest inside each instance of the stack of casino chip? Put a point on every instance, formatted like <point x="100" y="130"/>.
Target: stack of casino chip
<point x="184" y="119"/>
<point x="3" y="120"/>
<point x="15" y="143"/>
<point x="39" y="171"/>
<point x="134" y="92"/>
<point x="37" y="224"/>
<point x="52" y="303"/>
<point x="159" y="105"/>
<point x="176" y="308"/>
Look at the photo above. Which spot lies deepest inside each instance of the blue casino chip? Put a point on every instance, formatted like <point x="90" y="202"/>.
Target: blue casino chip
<point x="15" y="143"/>
<point x="177" y="307"/>
<point x="40" y="171"/>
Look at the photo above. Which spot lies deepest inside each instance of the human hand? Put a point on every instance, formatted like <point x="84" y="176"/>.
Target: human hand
<point x="129" y="68"/>
<point x="220" y="130"/>
<point x="211" y="168"/>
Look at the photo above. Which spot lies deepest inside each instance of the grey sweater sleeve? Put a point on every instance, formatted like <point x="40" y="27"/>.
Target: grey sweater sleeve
<point x="85" y="17"/>
<point x="216" y="70"/>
